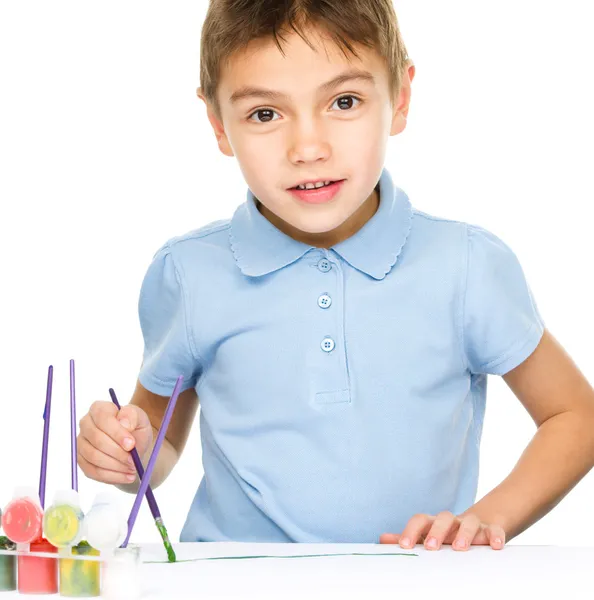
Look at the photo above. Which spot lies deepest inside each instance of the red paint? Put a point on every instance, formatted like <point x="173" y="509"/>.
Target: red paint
<point x="38" y="575"/>
<point x="320" y="195"/>
<point x="22" y="520"/>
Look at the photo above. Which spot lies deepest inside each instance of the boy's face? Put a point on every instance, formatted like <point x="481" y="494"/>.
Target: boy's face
<point x="307" y="132"/>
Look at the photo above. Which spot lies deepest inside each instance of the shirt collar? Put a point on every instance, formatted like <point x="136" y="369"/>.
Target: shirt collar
<point x="260" y="248"/>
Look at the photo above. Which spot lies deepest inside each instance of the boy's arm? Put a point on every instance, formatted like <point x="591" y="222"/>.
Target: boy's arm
<point x="177" y="433"/>
<point x="561" y="402"/>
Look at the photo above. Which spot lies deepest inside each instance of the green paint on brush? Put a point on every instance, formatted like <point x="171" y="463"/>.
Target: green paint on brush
<point x="155" y="562"/>
<point x="163" y="531"/>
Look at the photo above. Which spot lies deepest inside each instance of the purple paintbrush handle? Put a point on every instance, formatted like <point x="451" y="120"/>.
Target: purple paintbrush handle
<point x="73" y="451"/>
<point x="153" y="459"/>
<point x="46" y="425"/>
<point x="150" y="497"/>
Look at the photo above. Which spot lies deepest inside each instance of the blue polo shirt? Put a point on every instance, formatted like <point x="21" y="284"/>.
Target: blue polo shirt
<point x="342" y="390"/>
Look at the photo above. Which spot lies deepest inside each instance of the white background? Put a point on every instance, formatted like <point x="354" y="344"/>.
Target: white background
<point x="105" y="153"/>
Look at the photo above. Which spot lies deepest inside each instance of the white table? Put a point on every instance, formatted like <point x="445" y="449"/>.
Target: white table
<point x="514" y="572"/>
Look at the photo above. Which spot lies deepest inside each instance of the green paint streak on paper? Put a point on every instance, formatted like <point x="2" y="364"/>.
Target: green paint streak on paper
<point x="155" y="562"/>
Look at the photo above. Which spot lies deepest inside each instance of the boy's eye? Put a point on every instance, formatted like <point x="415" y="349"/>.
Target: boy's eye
<point x="345" y="102"/>
<point x="266" y="114"/>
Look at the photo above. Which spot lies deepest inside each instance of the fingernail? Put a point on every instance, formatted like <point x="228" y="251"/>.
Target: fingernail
<point x="498" y="541"/>
<point x="130" y="461"/>
<point x="405" y="542"/>
<point x="131" y="477"/>
<point x="431" y="543"/>
<point x="128" y="443"/>
<point x="461" y="543"/>
<point x="125" y="423"/>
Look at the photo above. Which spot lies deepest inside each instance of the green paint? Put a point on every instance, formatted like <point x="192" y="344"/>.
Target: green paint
<point x="155" y="562"/>
<point x="80" y="578"/>
<point x="8" y="581"/>
<point x="163" y="531"/>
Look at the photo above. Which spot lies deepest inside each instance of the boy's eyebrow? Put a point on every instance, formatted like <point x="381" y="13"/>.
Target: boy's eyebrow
<point x="250" y="91"/>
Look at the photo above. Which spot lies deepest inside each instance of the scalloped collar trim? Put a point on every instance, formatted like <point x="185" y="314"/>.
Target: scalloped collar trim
<point x="260" y="248"/>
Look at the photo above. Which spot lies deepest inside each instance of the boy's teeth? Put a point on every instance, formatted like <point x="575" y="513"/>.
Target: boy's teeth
<point x="311" y="186"/>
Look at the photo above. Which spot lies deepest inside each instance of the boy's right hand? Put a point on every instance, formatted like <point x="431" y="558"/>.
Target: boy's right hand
<point x="106" y="438"/>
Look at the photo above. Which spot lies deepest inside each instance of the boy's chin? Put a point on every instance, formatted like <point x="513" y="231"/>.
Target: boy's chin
<point x="318" y="227"/>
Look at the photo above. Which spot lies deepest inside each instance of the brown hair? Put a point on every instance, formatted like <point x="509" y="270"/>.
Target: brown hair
<point x="230" y="25"/>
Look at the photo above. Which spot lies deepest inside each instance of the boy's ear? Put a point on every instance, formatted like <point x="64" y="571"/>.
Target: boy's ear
<point x="402" y="102"/>
<point x="217" y="126"/>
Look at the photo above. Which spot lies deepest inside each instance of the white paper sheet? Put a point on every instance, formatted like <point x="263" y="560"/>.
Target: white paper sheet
<point x="514" y="572"/>
<point x="480" y="572"/>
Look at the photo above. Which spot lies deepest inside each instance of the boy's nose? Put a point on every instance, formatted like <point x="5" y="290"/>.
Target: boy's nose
<point x="309" y="144"/>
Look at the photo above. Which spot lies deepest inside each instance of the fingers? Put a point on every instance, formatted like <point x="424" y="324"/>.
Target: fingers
<point x="103" y="475"/>
<point x="416" y="528"/>
<point x="131" y="418"/>
<point x="496" y="536"/>
<point x="103" y="415"/>
<point x="101" y="441"/>
<point x="103" y="444"/>
<point x="470" y="526"/>
<point x="101" y="460"/>
<point x="447" y="528"/>
<point x="389" y="538"/>
<point x="444" y="522"/>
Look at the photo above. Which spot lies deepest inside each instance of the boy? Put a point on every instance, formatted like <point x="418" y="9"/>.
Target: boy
<point x="338" y="339"/>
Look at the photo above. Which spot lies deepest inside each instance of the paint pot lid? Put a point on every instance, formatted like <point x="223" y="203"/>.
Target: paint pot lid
<point x="106" y="498"/>
<point x="104" y="532"/>
<point x="110" y="501"/>
<point x="26" y="491"/>
<point x="68" y="497"/>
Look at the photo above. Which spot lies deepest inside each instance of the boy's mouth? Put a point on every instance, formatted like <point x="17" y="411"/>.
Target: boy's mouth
<point x="318" y="192"/>
<point x="315" y="185"/>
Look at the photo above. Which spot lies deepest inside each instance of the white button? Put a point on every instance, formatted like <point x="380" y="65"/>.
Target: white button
<point x="324" y="265"/>
<point x="328" y="344"/>
<point x="324" y="301"/>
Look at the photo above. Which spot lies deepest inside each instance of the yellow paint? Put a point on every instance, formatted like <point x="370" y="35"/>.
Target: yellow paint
<point x="80" y="578"/>
<point x="61" y="525"/>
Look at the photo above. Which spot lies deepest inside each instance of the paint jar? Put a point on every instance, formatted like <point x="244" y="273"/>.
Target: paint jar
<point x="121" y="574"/>
<point x="106" y="523"/>
<point x="22" y="518"/>
<point x="38" y="575"/>
<point x="8" y="572"/>
<point x="63" y="520"/>
<point x="80" y="578"/>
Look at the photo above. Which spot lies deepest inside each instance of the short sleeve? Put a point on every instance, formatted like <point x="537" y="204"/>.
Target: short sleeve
<point x="162" y="306"/>
<point x="502" y="325"/>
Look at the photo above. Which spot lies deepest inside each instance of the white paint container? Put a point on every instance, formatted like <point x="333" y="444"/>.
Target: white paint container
<point x="121" y="574"/>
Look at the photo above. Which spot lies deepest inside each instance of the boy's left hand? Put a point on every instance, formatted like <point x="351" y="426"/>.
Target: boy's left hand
<point x="446" y="528"/>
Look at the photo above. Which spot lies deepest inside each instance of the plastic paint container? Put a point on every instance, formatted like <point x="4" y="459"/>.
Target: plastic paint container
<point x="63" y="520"/>
<point x="121" y="574"/>
<point x="22" y="518"/>
<point x="8" y="572"/>
<point x="106" y="524"/>
<point x="80" y="578"/>
<point x="38" y="575"/>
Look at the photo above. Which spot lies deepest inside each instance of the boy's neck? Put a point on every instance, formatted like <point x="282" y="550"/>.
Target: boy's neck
<point x="326" y="239"/>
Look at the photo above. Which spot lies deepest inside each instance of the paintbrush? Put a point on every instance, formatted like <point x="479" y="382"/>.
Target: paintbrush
<point x="46" y="427"/>
<point x="153" y="458"/>
<point x="150" y="497"/>
<point x="73" y="444"/>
